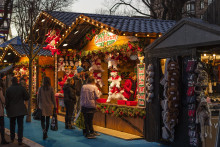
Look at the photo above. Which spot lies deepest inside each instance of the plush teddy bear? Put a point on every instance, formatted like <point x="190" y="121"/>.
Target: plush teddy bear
<point x="115" y="93"/>
<point x="115" y="79"/>
<point x="113" y="61"/>
<point x="61" y="64"/>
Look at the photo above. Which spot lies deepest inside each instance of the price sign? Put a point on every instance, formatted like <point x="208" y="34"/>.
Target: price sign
<point x="141" y="84"/>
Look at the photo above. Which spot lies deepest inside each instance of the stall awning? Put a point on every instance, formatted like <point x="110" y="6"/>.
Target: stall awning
<point x="6" y="69"/>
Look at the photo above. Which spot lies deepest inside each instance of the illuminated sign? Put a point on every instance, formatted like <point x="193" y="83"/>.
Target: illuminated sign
<point x="105" y="39"/>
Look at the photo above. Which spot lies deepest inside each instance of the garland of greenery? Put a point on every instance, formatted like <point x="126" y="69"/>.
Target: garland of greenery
<point x="133" y="46"/>
<point x="22" y="64"/>
<point x="88" y="37"/>
<point x="121" y="111"/>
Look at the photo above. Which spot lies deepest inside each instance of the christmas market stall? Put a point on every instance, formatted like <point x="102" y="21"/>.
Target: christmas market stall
<point x="109" y="48"/>
<point x="43" y="64"/>
<point x="186" y="60"/>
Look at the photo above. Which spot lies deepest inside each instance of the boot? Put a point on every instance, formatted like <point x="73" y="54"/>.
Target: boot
<point x="45" y="135"/>
<point x="66" y="126"/>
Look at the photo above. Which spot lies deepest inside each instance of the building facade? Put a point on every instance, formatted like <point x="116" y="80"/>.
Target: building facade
<point x="192" y="8"/>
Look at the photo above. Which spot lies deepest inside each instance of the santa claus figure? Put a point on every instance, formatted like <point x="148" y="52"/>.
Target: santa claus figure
<point x="52" y="39"/>
<point x="130" y="87"/>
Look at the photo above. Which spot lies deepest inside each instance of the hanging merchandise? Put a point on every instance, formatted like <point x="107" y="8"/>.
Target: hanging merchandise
<point x="191" y="101"/>
<point x="61" y="64"/>
<point x="97" y="70"/>
<point x="170" y="103"/>
<point x="150" y="82"/>
<point x="113" y="60"/>
<point x="53" y="37"/>
<point x="203" y="114"/>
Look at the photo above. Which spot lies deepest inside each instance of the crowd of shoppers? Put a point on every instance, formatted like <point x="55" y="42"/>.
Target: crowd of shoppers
<point x="80" y="94"/>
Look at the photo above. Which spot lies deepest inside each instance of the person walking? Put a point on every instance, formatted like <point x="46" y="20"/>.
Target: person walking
<point x="69" y="101"/>
<point x="2" y="124"/>
<point x="15" y="108"/>
<point x="89" y="94"/>
<point x="46" y="102"/>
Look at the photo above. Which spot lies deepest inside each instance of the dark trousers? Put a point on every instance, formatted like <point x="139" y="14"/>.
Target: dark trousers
<point x="2" y="127"/>
<point x="20" y="120"/>
<point x="69" y="111"/>
<point x="43" y="118"/>
<point x="88" y="121"/>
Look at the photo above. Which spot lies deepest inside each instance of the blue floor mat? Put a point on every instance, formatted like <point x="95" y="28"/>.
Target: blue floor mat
<point x="67" y="138"/>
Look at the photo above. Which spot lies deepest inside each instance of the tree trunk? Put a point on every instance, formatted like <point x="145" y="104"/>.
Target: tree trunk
<point x="28" y="118"/>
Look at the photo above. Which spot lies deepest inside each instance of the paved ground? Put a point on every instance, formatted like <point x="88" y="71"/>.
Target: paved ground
<point x="14" y="144"/>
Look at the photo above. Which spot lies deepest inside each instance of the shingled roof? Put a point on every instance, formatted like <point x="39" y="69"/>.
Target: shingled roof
<point x="20" y="50"/>
<point x="122" y="23"/>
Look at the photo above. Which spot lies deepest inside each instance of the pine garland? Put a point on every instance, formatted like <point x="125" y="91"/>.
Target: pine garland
<point x="121" y="111"/>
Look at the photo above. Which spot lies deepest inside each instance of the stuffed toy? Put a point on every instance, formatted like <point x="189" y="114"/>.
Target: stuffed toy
<point x="115" y="79"/>
<point x="98" y="64"/>
<point x="98" y="78"/>
<point x="52" y="39"/>
<point x="115" y="93"/>
<point x="61" y="64"/>
<point x="113" y="61"/>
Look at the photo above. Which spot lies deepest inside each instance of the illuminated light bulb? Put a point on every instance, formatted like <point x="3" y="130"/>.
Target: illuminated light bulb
<point x="204" y="54"/>
<point x="148" y="35"/>
<point x="136" y="34"/>
<point x="159" y="35"/>
<point x="124" y="34"/>
<point x="214" y="55"/>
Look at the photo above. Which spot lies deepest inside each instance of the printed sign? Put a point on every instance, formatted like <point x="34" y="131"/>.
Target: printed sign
<point x="105" y="39"/>
<point x="141" y="86"/>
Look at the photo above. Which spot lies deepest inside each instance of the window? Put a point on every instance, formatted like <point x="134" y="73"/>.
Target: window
<point x="188" y="7"/>
<point x="192" y="7"/>
<point x="209" y="2"/>
<point x="202" y="5"/>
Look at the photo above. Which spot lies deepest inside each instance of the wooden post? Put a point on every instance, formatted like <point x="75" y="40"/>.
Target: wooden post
<point x="55" y="62"/>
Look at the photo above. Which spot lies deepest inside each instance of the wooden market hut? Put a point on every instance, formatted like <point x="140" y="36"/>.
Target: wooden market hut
<point x="77" y="33"/>
<point x="44" y="63"/>
<point x="189" y="38"/>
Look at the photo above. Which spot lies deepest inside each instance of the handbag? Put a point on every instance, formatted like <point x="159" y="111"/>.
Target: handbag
<point x="54" y="123"/>
<point x="37" y="114"/>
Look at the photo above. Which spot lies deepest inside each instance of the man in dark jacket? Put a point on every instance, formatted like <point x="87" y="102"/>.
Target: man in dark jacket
<point x="78" y="79"/>
<point x="15" y="108"/>
<point x="69" y="101"/>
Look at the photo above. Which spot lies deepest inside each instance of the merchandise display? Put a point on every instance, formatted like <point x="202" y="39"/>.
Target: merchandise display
<point x="170" y="102"/>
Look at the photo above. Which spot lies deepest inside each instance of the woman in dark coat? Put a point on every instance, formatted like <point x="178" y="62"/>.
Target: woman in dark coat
<point x="47" y="104"/>
<point x="15" y="108"/>
<point x="69" y="101"/>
